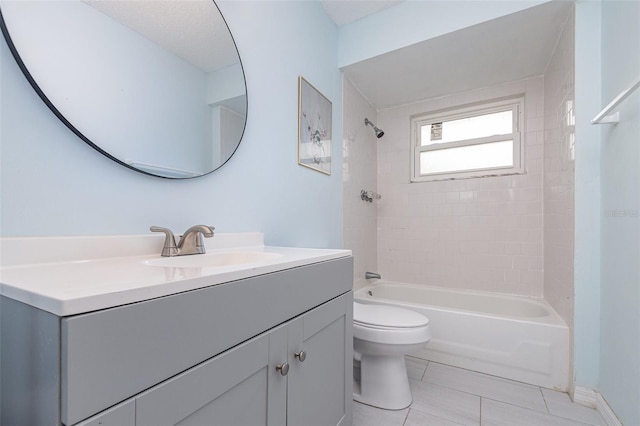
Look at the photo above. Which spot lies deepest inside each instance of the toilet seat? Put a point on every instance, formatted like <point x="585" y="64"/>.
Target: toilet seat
<point x="389" y="325"/>
<point x="387" y="317"/>
<point x="392" y="336"/>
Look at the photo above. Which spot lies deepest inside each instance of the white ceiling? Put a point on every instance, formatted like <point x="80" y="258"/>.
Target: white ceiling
<point x="509" y="48"/>
<point x="505" y="49"/>
<point x="346" y="11"/>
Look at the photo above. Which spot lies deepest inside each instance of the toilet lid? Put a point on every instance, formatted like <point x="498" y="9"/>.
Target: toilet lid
<point x="387" y="316"/>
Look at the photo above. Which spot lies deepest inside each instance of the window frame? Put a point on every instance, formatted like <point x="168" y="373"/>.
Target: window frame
<point x="515" y="104"/>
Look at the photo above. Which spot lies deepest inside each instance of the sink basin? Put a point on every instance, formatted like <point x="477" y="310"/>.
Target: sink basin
<point x="209" y="260"/>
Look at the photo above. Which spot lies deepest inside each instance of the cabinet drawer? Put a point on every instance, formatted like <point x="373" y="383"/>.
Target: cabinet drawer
<point x="121" y="415"/>
<point x="114" y="354"/>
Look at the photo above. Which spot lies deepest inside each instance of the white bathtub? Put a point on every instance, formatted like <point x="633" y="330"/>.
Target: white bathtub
<point x="507" y="336"/>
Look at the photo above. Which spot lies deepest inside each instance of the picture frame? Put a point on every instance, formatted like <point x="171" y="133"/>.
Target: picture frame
<point x="314" y="128"/>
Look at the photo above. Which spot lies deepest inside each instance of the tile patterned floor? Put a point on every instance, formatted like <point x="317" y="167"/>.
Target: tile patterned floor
<point x="450" y="396"/>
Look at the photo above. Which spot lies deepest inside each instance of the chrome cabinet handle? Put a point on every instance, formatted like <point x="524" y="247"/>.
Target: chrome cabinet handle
<point x="283" y="368"/>
<point x="302" y="355"/>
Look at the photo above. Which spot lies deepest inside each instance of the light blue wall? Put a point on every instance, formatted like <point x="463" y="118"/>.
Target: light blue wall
<point x="620" y="170"/>
<point x="587" y="196"/>
<point x="411" y="22"/>
<point x="53" y="184"/>
<point x="607" y="258"/>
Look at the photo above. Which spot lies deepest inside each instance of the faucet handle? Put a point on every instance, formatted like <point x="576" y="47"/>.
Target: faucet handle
<point x="170" y="248"/>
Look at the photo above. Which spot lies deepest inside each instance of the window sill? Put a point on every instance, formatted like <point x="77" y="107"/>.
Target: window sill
<point x="473" y="174"/>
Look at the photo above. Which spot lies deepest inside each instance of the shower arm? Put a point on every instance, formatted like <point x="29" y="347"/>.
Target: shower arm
<point x="379" y="132"/>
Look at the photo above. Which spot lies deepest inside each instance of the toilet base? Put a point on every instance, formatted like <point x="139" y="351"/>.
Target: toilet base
<point x="383" y="382"/>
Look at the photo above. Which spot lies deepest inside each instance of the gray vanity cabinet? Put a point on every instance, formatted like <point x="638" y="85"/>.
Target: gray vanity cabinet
<point x="206" y="356"/>
<point x="243" y="387"/>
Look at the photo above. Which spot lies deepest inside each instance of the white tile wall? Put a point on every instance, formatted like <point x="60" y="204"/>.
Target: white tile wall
<point x="481" y="234"/>
<point x="359" y="172"/>
<point x="559" y="176"/>
<point x="510" y="234"/>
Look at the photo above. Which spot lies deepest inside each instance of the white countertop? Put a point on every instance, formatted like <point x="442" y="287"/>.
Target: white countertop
<point x="81" y="274"/>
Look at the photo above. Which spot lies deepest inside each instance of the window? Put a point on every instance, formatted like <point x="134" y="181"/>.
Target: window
<point x="471" y="141"/>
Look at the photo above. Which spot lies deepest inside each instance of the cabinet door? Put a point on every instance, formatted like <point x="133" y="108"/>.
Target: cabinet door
<point x="320" y="386"/>
<point x="238" y="387"/>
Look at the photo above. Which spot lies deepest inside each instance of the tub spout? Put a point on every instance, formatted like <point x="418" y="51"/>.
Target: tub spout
<point x="372" y="276"/>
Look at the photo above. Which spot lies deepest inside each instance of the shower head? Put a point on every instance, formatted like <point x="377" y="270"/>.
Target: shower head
<point x="379" y="132"/>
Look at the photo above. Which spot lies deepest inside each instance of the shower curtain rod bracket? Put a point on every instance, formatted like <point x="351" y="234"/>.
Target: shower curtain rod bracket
<point x="604" y="117"/>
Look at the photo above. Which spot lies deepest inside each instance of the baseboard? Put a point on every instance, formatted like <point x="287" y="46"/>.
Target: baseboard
<point x="606" y="412"/>
<point x="585" y="396"/>
<point x="593" y="399"/>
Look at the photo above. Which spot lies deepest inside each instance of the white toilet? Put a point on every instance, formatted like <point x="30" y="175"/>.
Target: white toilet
<point x="382" y="335"/>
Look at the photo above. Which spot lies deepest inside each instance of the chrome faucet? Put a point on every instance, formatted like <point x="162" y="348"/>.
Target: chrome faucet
<point x="372" y="276"/>
<point x="191" y="242"/>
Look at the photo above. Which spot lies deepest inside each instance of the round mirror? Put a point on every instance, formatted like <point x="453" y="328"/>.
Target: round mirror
<point x="157" y="86"/>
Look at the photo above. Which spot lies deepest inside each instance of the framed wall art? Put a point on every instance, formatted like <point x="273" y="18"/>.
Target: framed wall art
<point x="314" y="128"/>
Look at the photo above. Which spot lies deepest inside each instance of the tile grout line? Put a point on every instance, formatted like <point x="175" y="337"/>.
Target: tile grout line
<point x="467" y="392"/>
<point x="482" y="399"/>
<point x="406" y="417"/>
<point x="425" y="371"/>
<point x="545" y="400"/>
